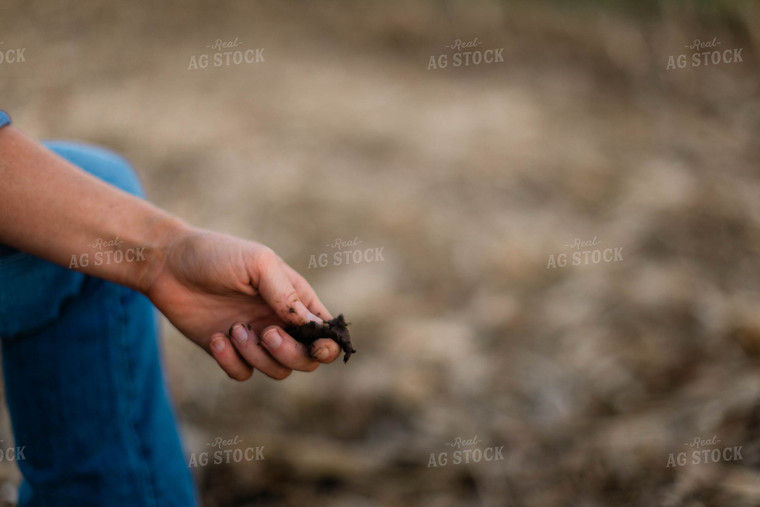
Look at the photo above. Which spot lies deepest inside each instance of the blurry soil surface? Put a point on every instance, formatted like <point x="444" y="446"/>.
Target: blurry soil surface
<point x="464" y="182"/>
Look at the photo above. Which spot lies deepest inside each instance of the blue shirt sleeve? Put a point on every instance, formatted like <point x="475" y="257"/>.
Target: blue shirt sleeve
<point x="4" y="119"/>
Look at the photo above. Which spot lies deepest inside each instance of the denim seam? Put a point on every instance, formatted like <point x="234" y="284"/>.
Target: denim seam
<point x="142" y="466"/>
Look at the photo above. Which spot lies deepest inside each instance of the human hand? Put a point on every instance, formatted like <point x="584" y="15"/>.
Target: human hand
<point x="208" y="282"/>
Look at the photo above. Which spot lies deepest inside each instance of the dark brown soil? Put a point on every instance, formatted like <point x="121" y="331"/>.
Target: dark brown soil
<point x="335" y="329"/>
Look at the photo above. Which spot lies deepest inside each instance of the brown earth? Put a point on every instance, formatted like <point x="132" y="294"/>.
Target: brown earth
<point x="463" y="183"/>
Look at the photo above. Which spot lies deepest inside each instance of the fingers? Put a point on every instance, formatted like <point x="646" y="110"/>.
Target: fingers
<point x="250" y="349"/>
<point x="276" y="354"/>
<point x="289" y="352"/>
<point x="306" y="293"/>
<point x="324" y="350"/>
<point x="275" y="287"/>
<point x="225" y="354"/>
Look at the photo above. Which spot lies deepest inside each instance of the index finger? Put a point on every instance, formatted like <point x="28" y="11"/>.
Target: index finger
<point x="274" y="285"/>
<point x="306" y="293"/>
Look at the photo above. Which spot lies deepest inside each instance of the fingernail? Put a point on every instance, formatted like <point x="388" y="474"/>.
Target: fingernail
<point x="272" y="339"/>
<point x="239" y="334"/>
<point x="314" y="318"/>
<point x="217" y="344"/>
<point x="321" y="353"/>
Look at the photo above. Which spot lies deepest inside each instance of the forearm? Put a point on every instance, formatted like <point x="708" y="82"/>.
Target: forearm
<point x="56" y="211"/>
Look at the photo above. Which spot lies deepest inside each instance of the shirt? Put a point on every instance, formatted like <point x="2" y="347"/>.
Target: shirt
<point x="4" y="119"/>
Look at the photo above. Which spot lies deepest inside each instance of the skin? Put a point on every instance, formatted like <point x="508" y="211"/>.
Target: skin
<point x="230" y="296"/>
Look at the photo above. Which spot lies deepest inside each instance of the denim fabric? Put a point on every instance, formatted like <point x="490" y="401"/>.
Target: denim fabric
<point x="84" y="381"/>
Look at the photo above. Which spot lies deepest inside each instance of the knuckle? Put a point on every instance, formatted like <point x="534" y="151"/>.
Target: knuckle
<point x="289" y="304"/>
<point x="268" y="256"/>
<point x="299" y="281"/>
<point x="266" y="261"/>
<point x="292" y="298"/>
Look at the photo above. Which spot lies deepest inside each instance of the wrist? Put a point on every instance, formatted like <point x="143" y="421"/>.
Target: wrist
<point x="163" y="233"/>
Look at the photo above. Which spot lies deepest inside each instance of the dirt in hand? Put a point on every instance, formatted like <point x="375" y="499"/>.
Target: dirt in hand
<point x="335" y="329"/>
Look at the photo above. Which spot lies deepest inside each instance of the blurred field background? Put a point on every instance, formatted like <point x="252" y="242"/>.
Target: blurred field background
<point x="469" y="179"/>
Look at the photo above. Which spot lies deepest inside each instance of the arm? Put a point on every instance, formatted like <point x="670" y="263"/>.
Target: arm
<point x="202" y="281"/>
<point x="53" y="210"/>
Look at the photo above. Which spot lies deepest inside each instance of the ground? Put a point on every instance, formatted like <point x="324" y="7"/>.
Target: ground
<point x="465" y="184"/>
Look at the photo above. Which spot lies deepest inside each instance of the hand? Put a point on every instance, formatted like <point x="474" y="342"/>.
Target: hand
<point x="208" y="282"/>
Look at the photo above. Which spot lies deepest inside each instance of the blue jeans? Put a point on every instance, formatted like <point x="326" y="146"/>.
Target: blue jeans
<point x="83" y="378"/>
